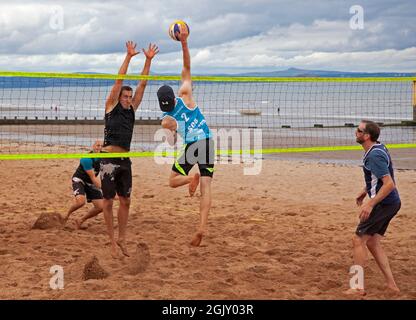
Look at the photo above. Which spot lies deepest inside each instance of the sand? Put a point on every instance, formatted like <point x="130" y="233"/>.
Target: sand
<point x="283" y="234"/>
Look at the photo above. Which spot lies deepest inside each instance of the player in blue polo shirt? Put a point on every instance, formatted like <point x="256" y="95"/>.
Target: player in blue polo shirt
<point x="384" y="203"/>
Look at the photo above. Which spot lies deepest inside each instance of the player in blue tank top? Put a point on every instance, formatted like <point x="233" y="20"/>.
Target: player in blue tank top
<point x="384" y="203"/>
<point x="182" y="116"/>
<point x="87" y="187"/>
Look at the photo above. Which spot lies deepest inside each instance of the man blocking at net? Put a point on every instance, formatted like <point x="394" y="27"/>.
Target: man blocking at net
<point x="183" y="116"/>
<point x="87" y="187"/>
<point x="384" y="203"/>
<point x="115" y="173"/>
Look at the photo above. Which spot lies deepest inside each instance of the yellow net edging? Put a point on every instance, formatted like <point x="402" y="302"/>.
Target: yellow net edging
<point x="146" y="154"/>
<point x="198" y="78"/>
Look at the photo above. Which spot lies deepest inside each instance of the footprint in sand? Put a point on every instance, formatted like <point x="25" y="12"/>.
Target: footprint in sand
<point x="258" y="269"/>
<point x="198" y="276"/>
<point x="4" y="252"/>
<point x="140" y="259"/>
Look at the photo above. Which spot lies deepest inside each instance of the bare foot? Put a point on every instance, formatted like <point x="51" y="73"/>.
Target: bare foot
<point x="114" y="252"/>
<point x="64" y="219"/>
<point x="193" y="185"/>
<point x="393" y="289"/>
<point x="123" y="248"/>
<point x="196" y="240"/>
<point x="355" y="292"/>
<point x="79" y="225"/>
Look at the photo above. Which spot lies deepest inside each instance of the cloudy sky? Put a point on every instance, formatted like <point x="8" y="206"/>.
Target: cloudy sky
<point x="228" y="36"/>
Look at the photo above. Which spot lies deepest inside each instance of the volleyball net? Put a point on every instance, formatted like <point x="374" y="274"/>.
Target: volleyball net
<point x="57" y="115"/>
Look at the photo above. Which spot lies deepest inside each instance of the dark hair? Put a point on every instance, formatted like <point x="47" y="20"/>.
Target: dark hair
<point x="372" y="129"/>
<point x="124" y="88"/>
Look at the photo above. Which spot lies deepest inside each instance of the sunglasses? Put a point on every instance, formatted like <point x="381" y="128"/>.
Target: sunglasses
<point x="360" y="130"/>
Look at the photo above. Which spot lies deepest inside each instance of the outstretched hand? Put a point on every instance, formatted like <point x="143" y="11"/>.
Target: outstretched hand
<point x="151" y="51"/>
<point x="131" y="49"/>
<point x="183" y="34"/>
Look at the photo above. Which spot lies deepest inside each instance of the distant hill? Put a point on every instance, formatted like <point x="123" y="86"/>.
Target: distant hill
<point x="17" y="82"/>
<point x="294" y="72"/>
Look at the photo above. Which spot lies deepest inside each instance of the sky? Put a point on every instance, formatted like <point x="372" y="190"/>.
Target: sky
<point x="226" y="36"/>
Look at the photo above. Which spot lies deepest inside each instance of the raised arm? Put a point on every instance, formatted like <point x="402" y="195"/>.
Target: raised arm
<point x="138" y="95"/>
<point x="185" y="91"/>
<point x="113" y="97"/>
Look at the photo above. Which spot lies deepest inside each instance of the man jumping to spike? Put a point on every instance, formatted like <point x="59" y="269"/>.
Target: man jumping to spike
<point x="183" y="116"/>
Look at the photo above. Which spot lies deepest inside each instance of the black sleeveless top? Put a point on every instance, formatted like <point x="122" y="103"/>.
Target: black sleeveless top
<point x="119" y="124"/>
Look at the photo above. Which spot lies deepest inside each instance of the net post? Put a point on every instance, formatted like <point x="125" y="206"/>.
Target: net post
<point x="414" y="100"/>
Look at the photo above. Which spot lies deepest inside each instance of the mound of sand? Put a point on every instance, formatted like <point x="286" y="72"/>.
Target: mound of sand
<point x="140" y="260"/>
<point x="93" y="270"/>
<point x="48" y="221"/>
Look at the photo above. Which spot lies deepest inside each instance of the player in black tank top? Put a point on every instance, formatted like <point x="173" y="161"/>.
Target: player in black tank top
<point x="119" y="124"/>
<point x="115" y="173"/>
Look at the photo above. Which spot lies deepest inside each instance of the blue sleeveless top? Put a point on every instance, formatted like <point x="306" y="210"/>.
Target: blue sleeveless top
<point x="377" y="164"/>
<point x="191" y="124"/>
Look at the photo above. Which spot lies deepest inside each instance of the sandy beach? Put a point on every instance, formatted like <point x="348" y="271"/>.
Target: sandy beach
<point x="283" y="234"/>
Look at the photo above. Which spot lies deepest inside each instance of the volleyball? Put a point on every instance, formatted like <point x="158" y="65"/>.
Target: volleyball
<point x="175" y="27"/>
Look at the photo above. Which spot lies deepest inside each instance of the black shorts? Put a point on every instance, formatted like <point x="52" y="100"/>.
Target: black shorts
<point x="90" y="191"/>
<point x="115" y="174"/>
<point x="200" y="152"/>
<point x="378" y="220"/>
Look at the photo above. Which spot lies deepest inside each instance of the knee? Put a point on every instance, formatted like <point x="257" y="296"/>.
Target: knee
<point x="80" y="202"/>
<point x="107" y="204"/>
<point x="357" y="241"/>
<point x="372" y="243"/>
<point x="172" y="183"/>
<point x="125" y="202"/>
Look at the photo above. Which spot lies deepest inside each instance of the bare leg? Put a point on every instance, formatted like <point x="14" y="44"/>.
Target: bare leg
<point x="123" y="215"/>
<point x="204" y="208"/>
<point x="177" y="180"/>
<point x="360" y="250"/>
<point x="98" y="207"/>
<point x="380" y="256"/>
<point x="108" y="217"/>
<point x="193" y="185"/>
<point x="79" y="202"/>
<point x="360" y="258"/>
